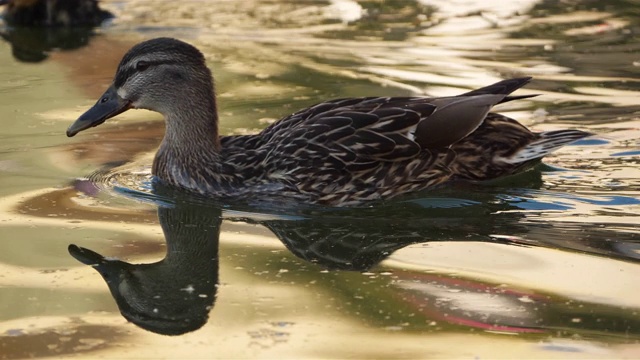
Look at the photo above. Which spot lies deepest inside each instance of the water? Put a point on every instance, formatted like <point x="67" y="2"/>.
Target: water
<point x="544" y="265"/>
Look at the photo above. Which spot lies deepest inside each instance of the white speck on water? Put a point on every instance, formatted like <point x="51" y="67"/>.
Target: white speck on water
<point x="345" y="10"/>
<point x="540" y="114"/>
<point x="190" y="289"/>
<point x="525" y="299"/>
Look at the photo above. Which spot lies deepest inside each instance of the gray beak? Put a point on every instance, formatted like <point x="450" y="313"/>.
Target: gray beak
<point x="109" y="105"/>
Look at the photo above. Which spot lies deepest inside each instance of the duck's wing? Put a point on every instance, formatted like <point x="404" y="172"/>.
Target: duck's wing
<point x="392" y="127"/>
<point x="458" y="116"/>
<point x="454" y="119"/>
<point x="351" y="131"/>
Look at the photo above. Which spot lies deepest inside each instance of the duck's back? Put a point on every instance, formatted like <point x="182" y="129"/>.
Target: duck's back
<point x="347" y="151"/>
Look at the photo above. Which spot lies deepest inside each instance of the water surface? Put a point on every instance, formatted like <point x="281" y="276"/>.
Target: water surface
<point x="542" y="265"/>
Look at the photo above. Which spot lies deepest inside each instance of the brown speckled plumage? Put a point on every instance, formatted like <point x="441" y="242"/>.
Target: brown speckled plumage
<point x="340" y="152"/>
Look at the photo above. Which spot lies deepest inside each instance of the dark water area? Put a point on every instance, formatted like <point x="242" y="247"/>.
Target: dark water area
<point x="98" y="261"/>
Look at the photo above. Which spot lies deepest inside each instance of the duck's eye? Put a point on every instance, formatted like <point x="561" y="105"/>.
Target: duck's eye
<point x="142" y="65"/>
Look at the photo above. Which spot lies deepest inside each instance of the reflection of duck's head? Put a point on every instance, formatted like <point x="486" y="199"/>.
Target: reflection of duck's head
<point x="174" y="295"/>
<point x="154" y="296"/>
<point x="54" y="12"/>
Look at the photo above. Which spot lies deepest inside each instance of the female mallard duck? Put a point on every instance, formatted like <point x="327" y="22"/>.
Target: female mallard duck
<point x="340" y="152"/>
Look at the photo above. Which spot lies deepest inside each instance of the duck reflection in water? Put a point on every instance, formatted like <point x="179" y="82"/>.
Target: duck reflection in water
<point x="174" y="295"/>
<point x="35" y="27"/>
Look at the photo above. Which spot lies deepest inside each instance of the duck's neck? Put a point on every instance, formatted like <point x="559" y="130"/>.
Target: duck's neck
<point x="191" y="140"/>
<point x="192" y="124"/>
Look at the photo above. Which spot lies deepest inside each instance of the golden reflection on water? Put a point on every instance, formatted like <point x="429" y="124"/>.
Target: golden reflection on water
<point x="267" y="55"/>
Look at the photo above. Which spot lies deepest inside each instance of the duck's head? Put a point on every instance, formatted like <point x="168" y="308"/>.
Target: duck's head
<point x="164" y="75"/>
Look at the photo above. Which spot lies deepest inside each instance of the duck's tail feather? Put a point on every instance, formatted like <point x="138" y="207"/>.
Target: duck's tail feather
<point x="517" y="97"/>
<point x="547" y="142"/>
<point x="504" y="87"/>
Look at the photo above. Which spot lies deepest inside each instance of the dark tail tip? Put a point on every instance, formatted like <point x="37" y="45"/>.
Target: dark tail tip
<point x="504" y="87"/>
<point x="517" y="97"/>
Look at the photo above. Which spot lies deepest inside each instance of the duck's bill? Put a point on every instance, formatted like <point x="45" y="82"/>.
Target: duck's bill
<point x="89" y="257"/>
<point x="109" y="105"/>
<point x="86" y="256"/>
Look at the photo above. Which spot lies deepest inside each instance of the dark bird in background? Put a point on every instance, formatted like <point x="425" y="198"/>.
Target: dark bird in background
<point x="52" y="13"/>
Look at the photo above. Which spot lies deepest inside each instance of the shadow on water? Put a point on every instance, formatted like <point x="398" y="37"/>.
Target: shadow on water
<point x="176" y="294"/>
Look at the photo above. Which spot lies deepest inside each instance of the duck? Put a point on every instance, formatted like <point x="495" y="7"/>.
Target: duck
<point x="340" y="152"/>
<point x="54" y="13"/>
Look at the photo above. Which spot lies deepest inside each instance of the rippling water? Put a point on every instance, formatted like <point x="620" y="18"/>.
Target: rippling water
<point x="542" y="265"/>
